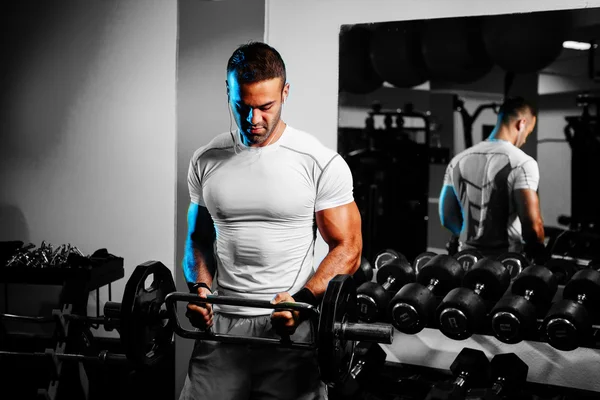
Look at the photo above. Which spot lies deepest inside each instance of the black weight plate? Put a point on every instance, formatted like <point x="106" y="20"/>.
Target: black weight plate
<point x="334" y="353"/>
<point x="515" y="262"/>
<point x="145" y="337"/>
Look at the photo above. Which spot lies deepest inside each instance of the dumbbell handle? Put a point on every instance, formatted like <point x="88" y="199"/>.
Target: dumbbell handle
<point x="388" y="282"/>
<point x="581" y="299"/>
<point x="498" y="385"/>
<point x="460" y="380"/>
<point x="433" y="282"/>
<point x="479" y="287"/>
<point x="357" y="369"/>
<point x="529" y="293"/>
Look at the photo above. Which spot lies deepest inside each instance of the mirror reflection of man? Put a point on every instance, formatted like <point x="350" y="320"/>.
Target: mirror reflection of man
<point x="489" y="199"/>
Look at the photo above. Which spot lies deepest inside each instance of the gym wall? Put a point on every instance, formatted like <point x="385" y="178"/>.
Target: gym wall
<point x="87" y="132"/>
<point x="312" y="27"/>
<point x="208" y="33"/>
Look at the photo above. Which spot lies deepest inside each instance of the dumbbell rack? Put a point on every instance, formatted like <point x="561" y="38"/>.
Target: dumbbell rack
<point x="64" y="381"/>
<point x="395" y="381"/>
<point x="414" y="361"/>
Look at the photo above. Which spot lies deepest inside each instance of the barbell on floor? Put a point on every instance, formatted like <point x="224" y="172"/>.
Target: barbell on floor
<point x="147" y="321"/>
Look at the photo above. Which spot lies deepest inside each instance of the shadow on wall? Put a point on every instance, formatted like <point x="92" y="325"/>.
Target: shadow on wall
<point x="13" y="225"/>
<point x="46" y="61"/>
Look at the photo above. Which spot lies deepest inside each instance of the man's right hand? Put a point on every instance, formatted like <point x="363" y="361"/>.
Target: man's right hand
<point x="200" y="315"/>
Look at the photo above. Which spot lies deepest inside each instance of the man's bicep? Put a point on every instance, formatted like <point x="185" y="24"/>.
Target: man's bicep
<point x="201" y="228"/>
<point x="340" y="224"/>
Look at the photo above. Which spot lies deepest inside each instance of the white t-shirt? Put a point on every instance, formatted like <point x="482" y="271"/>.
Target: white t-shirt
<point x="263" y="203"/>
<point x="484" y="178"/>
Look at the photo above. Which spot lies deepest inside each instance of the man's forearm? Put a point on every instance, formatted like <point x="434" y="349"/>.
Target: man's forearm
<point x="533" y="232"/>
<point x="198" y="263"/>
<point x="341" y="259"/>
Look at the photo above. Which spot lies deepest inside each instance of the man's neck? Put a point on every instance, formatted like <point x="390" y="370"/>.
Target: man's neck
<point x="502" y="133"/>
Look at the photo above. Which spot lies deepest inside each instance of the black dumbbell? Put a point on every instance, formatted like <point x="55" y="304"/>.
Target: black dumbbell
<point x="568" y="323"/>
<point x="470" y="368"/>
<point x="467" y="258"/>
<point x="373" y="297"/>
<point x="364" y="273"/>
<point x="462" y="312"/>
<point x="514" y="317"/>
<point x="413" y="307"/>
<point x="515" y="262"/>
<point x="509" y="372"/>
<point x="422" y="259"/>
<point x="563" y="269"/>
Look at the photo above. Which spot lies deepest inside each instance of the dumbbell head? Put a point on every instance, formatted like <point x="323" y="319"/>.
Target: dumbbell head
<point x="371" y="300"/>
<point x="463" y="310"/>
<point x="514" y="262"/>
<point x="490" y="273"/>
<point x="538" y="279"/>
<point x="364" y="273"/>
<point x="568" y="322"/>
<point x="385" y="256"/>
<point x="562" y="269"/>
<point x="584" y="282"/>
<point x="467" y="258"/>
<point x="472" y="364"/>
<point x="445" y="269"/>
<point x="421" y="260"/>
<point x="413" y="307"/>
<point x="396" y="272"/>
<point x="508" y="369"/>
<point x="513" y="318"/>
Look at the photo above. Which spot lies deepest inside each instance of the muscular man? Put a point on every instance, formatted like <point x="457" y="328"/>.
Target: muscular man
<point x="489" y="198"/>
<point x="258" y="194"/>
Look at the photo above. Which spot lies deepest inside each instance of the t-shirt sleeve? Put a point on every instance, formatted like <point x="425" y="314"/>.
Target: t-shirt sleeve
<point x="194" y="183"/>
<point x="527" y="176"/>
<point x="448" y="180"/>
<point x="334" y="187"/>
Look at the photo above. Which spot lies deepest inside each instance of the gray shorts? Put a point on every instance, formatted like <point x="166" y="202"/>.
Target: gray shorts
<point x="224" y="371"/>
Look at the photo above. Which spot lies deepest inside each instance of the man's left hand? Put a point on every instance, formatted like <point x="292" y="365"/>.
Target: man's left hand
<point x="284" y="322"/>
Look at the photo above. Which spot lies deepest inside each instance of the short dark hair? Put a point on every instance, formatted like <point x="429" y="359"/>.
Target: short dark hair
<point x="255" y="62"/>
<point x="513" y="106"/>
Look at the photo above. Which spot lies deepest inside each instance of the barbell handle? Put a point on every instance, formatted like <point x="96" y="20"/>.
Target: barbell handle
<point x="208" y="335"/>
<point x="237" y="301"/>
<point x="376" y="332"/>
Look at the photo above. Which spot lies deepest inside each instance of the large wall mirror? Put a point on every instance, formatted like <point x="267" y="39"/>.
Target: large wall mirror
<point x="415" y="93"/>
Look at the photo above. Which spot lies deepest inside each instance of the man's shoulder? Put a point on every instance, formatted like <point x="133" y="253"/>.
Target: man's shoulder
<point x="307" y="144"/>
<point x="518" y="157"/>
<point x="223" y="141"/>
